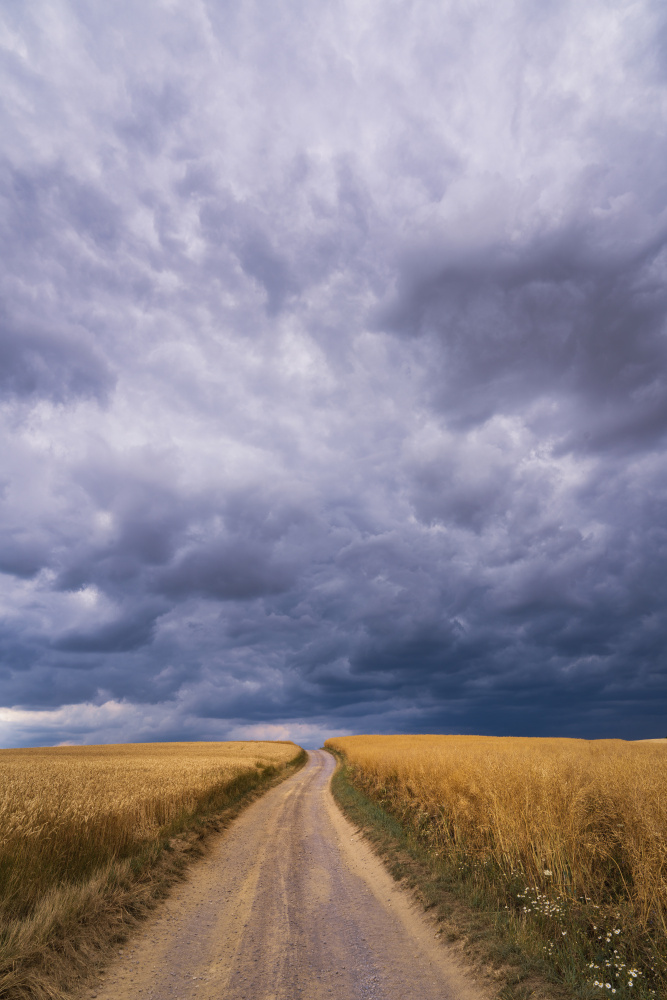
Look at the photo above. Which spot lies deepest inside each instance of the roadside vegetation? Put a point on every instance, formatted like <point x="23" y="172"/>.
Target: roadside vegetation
<point x="554" y="850"/>
<point x="91" y="838"/>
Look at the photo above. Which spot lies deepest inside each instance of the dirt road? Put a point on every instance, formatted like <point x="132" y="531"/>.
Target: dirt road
<point x="289" y="904"/>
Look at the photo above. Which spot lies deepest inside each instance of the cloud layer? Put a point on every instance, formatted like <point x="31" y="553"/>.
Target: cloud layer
<point x="333" y="362"/>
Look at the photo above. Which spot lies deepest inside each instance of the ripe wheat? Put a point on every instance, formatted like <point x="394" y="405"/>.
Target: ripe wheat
<point x="67" y="811"/>
<point x="575" y="819"/>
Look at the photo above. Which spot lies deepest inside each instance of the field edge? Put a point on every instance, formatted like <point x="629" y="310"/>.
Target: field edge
<point x="62" y="951"/>
<point x="480" y="937"/>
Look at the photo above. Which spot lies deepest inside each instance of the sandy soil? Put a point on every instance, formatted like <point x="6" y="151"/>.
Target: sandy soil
<point x="290" y="903"/>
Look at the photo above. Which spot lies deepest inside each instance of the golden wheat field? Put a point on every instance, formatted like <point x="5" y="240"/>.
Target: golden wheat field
<point x="576" y="818"/>
<point x="66" y="811"/>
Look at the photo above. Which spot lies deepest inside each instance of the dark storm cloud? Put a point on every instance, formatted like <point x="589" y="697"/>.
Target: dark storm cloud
<point x="131" y="632"/>
<point x="232" y="570"/>
<point x="332" y="364"/>
<point x="21" y="556"/>
<point x="556" y="317"/>
<point x="57" y="364"/>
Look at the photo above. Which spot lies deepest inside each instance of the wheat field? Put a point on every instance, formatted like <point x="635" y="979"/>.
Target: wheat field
<point x="67" y="811"/>
<point x="573" y="823"/>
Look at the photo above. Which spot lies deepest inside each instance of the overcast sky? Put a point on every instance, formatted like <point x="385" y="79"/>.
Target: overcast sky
<point x="333" y="364"/>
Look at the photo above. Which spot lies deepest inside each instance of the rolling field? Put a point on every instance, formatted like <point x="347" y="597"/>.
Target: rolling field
<point x="567" y="837"/>
<point x="83" y="832"/>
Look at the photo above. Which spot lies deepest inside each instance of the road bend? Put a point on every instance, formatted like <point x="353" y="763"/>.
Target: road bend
<point x="290" y="903"/>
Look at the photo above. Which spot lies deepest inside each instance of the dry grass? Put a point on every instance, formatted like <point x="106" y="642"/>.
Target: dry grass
<point x="568" y="832"/>
<point x="82" y="837"/>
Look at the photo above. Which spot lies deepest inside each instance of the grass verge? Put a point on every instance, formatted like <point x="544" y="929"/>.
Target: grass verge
<point x="526" y="945"/>
<point x="51" y="953"/>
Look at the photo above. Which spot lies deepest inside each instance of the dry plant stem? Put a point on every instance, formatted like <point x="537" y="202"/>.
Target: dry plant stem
<point x="49" y="946"/>
<point x="568" y="837"/>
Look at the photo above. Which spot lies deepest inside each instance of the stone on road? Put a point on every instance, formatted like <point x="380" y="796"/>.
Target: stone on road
<point x="288" y="904"/>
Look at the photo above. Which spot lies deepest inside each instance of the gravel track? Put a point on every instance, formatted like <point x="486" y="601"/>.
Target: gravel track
<point x="290" y="903"/>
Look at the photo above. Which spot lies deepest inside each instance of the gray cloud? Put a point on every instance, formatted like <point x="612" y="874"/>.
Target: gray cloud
<point x="553" y="320"/>
<point x="332" y="364"/>
<point x="58" y="364"/>
<point x="132" y="632"/>
<point x="235" y="570"/>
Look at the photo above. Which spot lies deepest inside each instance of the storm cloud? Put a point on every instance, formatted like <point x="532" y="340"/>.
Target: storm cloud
<point x="333" y="364"/>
